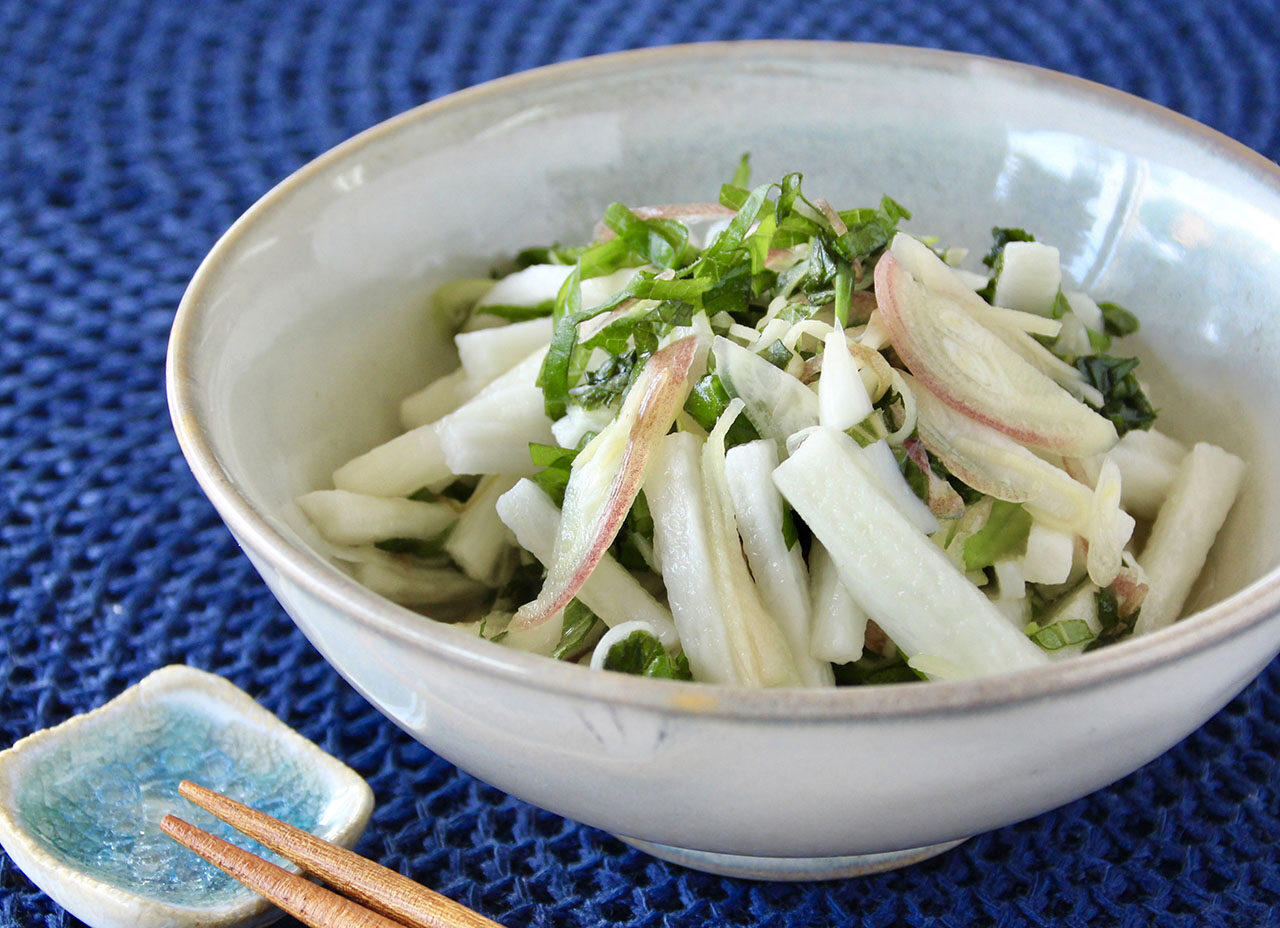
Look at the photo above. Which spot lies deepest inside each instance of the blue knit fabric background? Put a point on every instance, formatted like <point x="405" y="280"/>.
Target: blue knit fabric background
<point x="132" y="133"/>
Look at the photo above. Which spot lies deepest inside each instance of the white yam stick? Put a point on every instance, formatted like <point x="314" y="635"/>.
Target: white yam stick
<point x="410" y="584"/>
<point x="346" y="518"/>
<point x="727" y="634"/>
<point x="437" y="399"/>
<point x="401" y="466"/>
<point x="1199" y="499"/>
<point x="1148" y="462"/>
<point x="672" y="488"/>
<point x="1030" y="277"/>
<point x="761" y="650"/>
<point x="904" y="582"/>
<point x="839" y="623"/>
<point x="611" y="592"/>
<point x="842" y="398"/>
<point x="777" y="404"/>
<point x="479" y="539"/>
<point x="489" y="353"/>
<point x="1085" y="309"/>
<point x="878" y="463"/>
<point x="779" y="571"/>
<point x="1049" y="555"/>
<point x="490" y="433"/>
<point x="527" y="287"/>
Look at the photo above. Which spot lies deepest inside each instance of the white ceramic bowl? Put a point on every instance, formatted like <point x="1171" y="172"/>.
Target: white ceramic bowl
<point x="307" y="323"/>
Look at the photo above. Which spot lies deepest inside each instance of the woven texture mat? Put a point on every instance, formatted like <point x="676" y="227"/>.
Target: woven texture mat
<point x="133" y="132"/>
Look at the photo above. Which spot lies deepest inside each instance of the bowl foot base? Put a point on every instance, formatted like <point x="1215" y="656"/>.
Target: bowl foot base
<point x="791" y="868"/>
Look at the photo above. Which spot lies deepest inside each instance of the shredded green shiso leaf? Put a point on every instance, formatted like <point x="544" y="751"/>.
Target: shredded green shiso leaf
<point x="641" y="654"/>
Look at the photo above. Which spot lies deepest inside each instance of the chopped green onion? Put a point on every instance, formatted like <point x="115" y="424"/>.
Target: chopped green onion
<point x="1060" y="635"/>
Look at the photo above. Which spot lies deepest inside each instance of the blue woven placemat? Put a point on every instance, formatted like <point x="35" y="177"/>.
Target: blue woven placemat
<point x="132" y="132"/>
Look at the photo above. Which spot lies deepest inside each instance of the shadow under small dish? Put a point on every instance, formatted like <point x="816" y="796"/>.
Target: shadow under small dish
<point x="80" y="803"/>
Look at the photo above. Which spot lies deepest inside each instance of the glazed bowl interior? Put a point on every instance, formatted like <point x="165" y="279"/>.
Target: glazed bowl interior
<point x="311" y="318"/>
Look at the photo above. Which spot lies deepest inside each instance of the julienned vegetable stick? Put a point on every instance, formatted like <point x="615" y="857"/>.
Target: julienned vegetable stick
<point x="716" y="622"/>
<point x="1148" y="462"/>
<point x="489" y="353"/>
<point x="839" y="624"/>
<point x="971" y="279"/>
<point x="346" y="518"/>
<point x="611" y="592"/>
<point x="539" y="283"/>
<point x="778" y="570"/>
<point x="398" y="467"/>
<point x="1085" y="309"/>
<point x="412" y="584"/>
<point x="527" y="287"/>
<point x="672" y="489"/>
<point x="1073" y="337"/>
<point x="842" y="398"/>
<point x="436" y="400"/>
<point x="760" y="648"/>
<point x="1030" y="276"/>
<point x="570" y="428"/>
<point x="490" y="433"/>
<point x="1049" y="555"/>
<point x="1199" y="500"/>
<point x="1153" y="443"/>
<point x="903" y="581"/>
<point x="877" y="462"/>
<point x="479" y="541"/>
<point x="777" y="404"/>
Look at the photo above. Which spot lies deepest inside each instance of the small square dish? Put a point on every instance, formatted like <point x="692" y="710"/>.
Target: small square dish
<point x="81" y="802"/>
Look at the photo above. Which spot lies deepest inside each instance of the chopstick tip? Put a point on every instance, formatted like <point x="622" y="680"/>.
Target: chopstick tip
<point x="199" y="795"/>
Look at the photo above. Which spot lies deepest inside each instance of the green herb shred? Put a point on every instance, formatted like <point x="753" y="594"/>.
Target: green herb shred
<point x="641" y="654"/>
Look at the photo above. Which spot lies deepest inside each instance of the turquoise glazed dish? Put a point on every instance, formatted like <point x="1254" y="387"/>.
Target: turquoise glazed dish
<point x="80" y="803"/>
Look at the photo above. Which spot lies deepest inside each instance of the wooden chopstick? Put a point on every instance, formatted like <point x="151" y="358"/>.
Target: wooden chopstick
<point x="374" y="885"/>
<point x="310" y="904"/>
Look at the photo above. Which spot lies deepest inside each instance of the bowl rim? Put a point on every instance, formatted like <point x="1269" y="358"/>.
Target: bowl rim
<point x="1233" y="615"/>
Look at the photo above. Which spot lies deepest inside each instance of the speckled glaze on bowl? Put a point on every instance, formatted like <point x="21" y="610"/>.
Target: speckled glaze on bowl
<point x="307" y="323"/>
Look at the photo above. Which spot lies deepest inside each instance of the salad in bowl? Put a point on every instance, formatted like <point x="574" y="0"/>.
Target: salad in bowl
<point x="764" y="441"/>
